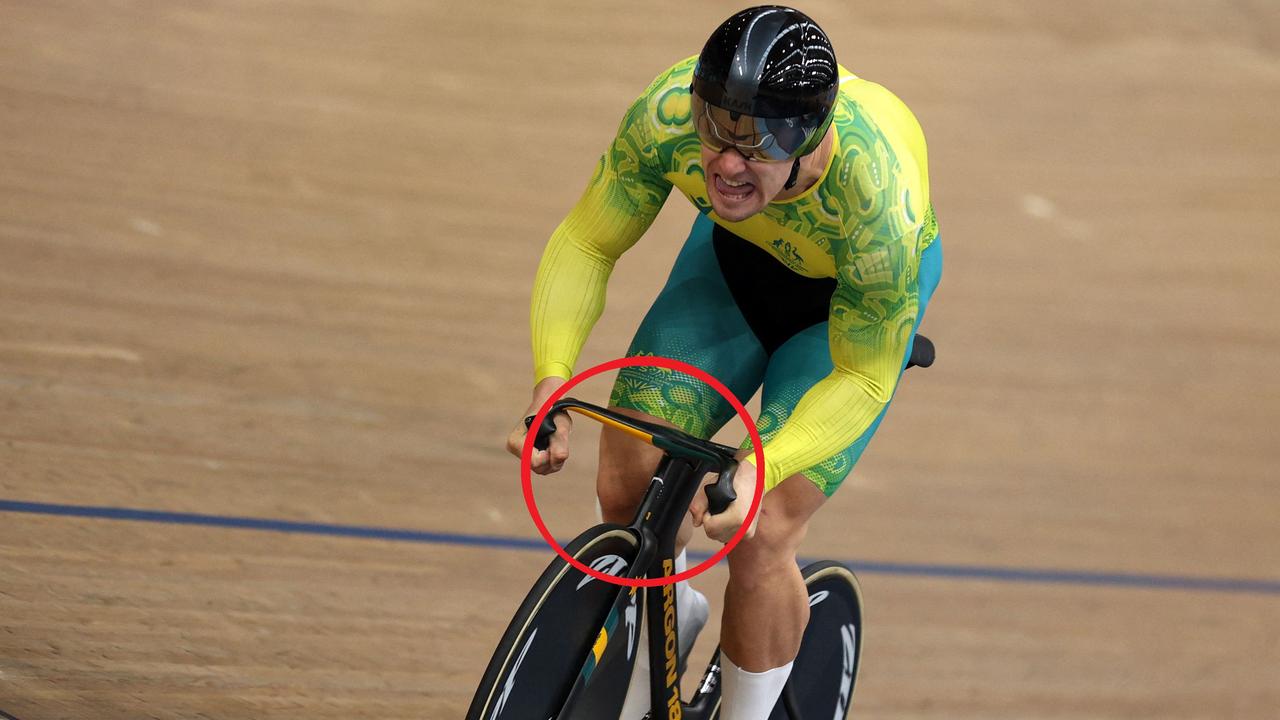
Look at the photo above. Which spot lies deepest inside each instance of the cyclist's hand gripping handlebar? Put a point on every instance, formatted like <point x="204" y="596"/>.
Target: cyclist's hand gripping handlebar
<point x="721" y="494"/>
<point x="677" y="443"/>
<point x="542" y="438"/>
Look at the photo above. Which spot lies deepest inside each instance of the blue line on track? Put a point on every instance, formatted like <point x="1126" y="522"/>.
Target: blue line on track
<point x="961" y="572"/>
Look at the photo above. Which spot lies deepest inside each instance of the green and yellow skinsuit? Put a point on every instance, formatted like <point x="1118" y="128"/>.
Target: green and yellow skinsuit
<point x="866" y="223"/>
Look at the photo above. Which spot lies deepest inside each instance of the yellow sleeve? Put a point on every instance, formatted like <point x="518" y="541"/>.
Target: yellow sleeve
<point x="873" y="313"/>
<point x="619" y="204"/>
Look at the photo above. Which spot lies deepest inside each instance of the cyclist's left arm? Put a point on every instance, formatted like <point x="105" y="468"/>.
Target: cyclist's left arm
<point x="873" y="312"/>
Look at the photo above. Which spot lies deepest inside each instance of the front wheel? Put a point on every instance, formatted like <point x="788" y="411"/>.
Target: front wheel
<point x="558" y="632"/>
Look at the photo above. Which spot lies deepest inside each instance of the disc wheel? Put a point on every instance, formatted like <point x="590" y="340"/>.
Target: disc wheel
<point x="823" y="676"/>
<point x="825" y="670"/>
<point x="553" y="633"/>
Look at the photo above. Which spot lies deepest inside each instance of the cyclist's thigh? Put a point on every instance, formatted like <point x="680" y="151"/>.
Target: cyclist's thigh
<point x="796" y="367"/>
<point x="695" y="320"/>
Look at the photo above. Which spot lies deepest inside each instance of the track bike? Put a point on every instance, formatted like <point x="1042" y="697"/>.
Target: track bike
<point x="569" y="650"/>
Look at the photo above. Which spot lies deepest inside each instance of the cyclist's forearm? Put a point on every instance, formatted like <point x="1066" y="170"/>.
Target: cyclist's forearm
<point x="867" y="347"/>
<point x="830" y="417"/>
<point x="873" y="313"/>
<point x="568" y="298"/>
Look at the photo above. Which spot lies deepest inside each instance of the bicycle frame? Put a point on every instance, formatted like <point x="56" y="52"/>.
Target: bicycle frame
<point x="664" y="677"/>
<point x="656" y="522"/>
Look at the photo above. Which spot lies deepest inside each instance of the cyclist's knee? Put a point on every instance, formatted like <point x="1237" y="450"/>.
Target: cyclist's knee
<point x="784" y="520"/>
<point x="621" y="480"/>
<point x="686" y="532"/>
<point x="618" y="494"/>
<point x="772" y="547"/>
<point x="625" y="468"/>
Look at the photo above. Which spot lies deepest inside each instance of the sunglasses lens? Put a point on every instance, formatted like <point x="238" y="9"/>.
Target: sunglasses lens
<point x="788" y="134"/>
<point x="720" y="129"/>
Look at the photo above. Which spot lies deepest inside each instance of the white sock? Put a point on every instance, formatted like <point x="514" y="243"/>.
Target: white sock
<point x="683" y="596"/>
<point x="691" y="606"/>
<point x="747" y="695"/>
<point x="691" y="609"/>
<point x="637" y="701"/>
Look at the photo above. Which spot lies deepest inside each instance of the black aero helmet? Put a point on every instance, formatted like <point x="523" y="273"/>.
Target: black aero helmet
<point x="765" y="84"/>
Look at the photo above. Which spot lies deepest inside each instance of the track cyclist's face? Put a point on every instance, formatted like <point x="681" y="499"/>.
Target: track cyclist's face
<point x="738" y="187"/>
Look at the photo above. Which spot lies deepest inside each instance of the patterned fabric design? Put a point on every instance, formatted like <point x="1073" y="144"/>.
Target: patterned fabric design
<point x="715" y="337"/>
<point x="865" y="223"/>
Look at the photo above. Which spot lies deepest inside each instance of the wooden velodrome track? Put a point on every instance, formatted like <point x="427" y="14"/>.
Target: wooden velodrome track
<point x="272" y="261"/>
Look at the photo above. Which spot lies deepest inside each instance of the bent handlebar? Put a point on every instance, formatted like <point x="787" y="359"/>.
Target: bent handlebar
<point x="712" y="456"/>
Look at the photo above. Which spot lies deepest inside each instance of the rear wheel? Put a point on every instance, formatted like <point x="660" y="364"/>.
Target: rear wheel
<point x="821" y="683"/>
<point x="822" y="679"/>
<point x="556" y="635"/>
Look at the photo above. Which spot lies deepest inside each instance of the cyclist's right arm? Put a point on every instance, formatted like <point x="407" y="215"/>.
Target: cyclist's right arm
<point x="625" y="194"/>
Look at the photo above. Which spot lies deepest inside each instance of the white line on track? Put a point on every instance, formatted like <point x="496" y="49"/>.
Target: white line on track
<point x="92" y="352"/>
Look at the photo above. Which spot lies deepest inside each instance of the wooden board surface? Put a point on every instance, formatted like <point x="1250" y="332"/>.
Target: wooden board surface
<point x="273" y="261"/>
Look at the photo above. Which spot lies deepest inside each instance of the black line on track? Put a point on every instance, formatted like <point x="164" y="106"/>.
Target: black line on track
<point x="934" y="571"/>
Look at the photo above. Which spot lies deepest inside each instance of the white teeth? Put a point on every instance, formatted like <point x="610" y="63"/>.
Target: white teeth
<point x="731" y="183"/>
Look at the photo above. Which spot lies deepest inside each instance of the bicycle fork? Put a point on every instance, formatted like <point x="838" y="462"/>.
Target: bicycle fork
<point x="601" y="685"/>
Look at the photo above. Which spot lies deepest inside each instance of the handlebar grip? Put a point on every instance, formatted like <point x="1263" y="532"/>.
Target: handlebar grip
<point x="721" y="494"/>
<point x="922" y="352"/>
<point x="542" y="438"/>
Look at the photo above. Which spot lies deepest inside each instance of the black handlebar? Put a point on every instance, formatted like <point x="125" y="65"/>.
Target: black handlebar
<point x="721" y="494"/>
<point x="922" y="352"/>
<point x="542" y="438"/>
<point x="713" y="456"/>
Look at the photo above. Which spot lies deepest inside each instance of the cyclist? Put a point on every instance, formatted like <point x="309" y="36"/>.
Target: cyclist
<point x="807" y="271"/>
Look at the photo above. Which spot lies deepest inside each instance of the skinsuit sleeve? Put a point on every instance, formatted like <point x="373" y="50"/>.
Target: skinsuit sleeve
<point x="873" y="311"/>
<point x="625" y="194"/>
